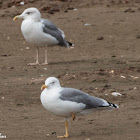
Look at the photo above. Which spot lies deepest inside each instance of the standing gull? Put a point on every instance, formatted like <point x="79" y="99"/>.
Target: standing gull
<point x="40" y="32"/>
<point x="69" y="102"/>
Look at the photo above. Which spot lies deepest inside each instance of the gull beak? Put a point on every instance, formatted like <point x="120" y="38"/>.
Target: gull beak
<point x="17" y="17"/>
<point x="43" y="87"/>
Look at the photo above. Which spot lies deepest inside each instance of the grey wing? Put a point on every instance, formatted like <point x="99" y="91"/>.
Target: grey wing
<point x="78" y="96"/>
<point x="50" y="28"/>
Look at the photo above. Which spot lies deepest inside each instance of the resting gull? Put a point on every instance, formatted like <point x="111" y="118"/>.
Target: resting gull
<point x="40" y="32"/>
<point x="69" y="102"/>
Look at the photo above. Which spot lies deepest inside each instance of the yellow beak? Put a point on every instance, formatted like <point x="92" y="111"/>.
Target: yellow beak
<point x="43" y="87"/>
<point x="15" y="18"/>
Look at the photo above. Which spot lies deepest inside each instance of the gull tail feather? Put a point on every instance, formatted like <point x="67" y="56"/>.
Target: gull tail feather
<point x="70" y="44"/>
<point x="67" y="44"/>
<point x="113" y="105"/>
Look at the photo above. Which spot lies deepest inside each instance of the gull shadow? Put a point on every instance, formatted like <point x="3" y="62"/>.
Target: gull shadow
<point x="69" y="62"/>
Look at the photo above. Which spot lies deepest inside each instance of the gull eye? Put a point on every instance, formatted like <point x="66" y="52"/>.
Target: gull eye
<point x="53" y="82"/>
<point x="28" y="13"/>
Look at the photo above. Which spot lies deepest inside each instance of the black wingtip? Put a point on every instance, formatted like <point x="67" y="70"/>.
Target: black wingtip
<point x="70" y="44"/>
<point x="113" y="105"/>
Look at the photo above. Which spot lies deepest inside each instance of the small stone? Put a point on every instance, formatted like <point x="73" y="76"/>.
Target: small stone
<point x="4" y="55"/>
<point x="129" y="10"/>
<point x="100" y="38"/>
<point x="10" y="4"/>
<point x="27" y="48"/>
<point x="138" y="36"/>
<point x="134" y="77"/>
<point x="91" y="88"/>
<point x="65" y="11"/>
<point x="82" y="132"/>
<point x="135" y="88"/>
<point x="113" y="56"/>
<point x="70" y="8"/>
<point x="32" y="1"/>
<point x="45" y="8"/>
<point x="53" y="133"/>
<point x="45" y="68"/>
<point x="21" y="3"/>
<point x="122" y="76"/>
<point x="51" y="12"/>
<point x="8" y="38"/>
<point x="11" y="68"/>
<point x="1" y="1"/>
<point x="111" y="71"/>
<point x="116" y="94"/>
<point x="87" y="24"/>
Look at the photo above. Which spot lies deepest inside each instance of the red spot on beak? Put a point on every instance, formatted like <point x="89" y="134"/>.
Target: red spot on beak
<point x="43" y="87"/>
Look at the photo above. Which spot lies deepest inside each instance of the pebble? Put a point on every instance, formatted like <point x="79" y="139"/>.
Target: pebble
<point x="134" y="77"/>
<point x="116" y="94"/>
<point x="45" y="68"/>
<point x="129" y="10"/>
<point x="53" y="133"/>
<point x="113" y="56"/>
<point x="87" y="24"/>
<point x="138" y="36"/>
<point x="111" y="71"/>
<point x="100" y="38"/>
<point x="27" y="48"/>
<point x="21" y="3"/>
<point x="122" y="76"/>
<point x="8" y="38"/>
<point x="135" y="88"/>
<point x="11" y="68"/>
<point x="32" y="1"/>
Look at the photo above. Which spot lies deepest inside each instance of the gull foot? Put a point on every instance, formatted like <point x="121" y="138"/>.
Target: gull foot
<point x="65" y="136"/>
<point x="69" y="48"/>
<point x="44" y="63"/>
<point x="32" y="64"/>
<point x="72" y="47"/>
<point x="73" y="117"/>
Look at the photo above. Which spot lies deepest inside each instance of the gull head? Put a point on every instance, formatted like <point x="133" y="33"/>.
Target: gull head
<point x="30" y="13"/>
<point x="51" y="83"/>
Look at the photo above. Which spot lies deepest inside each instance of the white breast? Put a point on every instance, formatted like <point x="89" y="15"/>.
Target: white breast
<point x="50" y="100"/>
<point x="33" y="33"/>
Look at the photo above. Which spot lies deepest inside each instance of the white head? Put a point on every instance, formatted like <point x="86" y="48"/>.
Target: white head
<point x="51" y="83"/>
<point x="30" y="13"/>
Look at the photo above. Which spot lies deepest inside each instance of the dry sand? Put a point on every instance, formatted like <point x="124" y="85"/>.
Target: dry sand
<point x="106" y="58"/>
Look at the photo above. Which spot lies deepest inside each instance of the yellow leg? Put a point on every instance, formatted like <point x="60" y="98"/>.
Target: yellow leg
<point x="66" y="127"/>
<point x="46" y="62"/>
<point x="37" y="59"/>
<point x="73" y="116"/>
